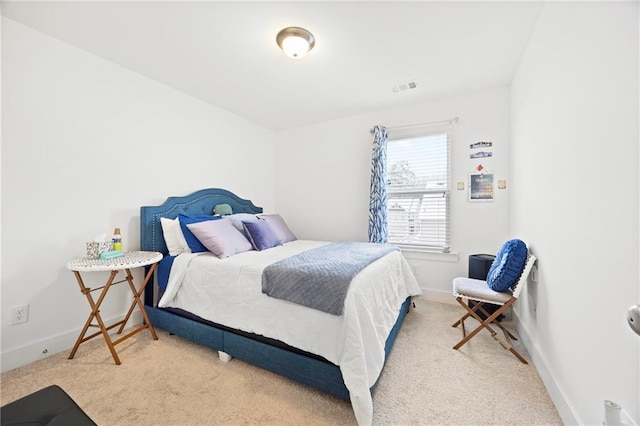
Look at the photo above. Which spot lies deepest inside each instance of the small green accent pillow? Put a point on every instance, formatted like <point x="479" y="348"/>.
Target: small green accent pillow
<point x="222" y="209"/>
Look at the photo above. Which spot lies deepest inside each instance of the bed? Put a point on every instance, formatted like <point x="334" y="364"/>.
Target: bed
<point x="323" y="356"/>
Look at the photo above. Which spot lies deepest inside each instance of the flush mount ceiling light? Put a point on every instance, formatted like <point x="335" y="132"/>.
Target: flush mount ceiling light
<point x="295" y="41"/>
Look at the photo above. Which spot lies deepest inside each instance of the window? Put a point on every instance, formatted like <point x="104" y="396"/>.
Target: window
<point x="418" y="191"/>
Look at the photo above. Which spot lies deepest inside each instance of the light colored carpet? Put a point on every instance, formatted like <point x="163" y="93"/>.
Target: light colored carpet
<point x="174" y="382"/>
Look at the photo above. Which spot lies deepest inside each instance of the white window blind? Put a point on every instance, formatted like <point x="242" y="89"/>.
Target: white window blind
<point x="418" y="191"/>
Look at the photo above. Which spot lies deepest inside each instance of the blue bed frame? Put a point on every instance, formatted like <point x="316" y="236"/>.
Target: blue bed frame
<point x="271" y="355"/>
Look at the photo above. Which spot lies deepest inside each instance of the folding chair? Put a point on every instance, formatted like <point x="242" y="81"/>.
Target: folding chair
<point x="465" y="289"/>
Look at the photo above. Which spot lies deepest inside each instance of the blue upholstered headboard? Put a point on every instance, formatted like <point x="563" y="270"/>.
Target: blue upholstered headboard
<point x="198" y="203"/>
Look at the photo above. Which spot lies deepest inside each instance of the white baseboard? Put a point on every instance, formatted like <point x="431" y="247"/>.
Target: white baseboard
<point x="32" y="352"/>
<point x="566" y="411"/>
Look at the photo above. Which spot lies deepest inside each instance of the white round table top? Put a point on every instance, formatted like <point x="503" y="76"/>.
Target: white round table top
<point x="131" y="259"/>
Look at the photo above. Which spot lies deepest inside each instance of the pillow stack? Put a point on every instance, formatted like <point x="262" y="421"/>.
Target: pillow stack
<point x="224" y="234"/>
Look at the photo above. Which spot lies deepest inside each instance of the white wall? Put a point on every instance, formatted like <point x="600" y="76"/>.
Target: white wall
<point x="575" y="166"/>
<point x="323" y="177"/>
<point x="86" y="143"/>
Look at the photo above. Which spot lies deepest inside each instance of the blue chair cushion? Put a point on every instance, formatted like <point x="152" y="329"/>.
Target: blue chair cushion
<point x="507" y="266"/>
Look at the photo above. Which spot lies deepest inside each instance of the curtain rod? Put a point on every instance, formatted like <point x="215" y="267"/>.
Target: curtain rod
<point x="451" y="121"/>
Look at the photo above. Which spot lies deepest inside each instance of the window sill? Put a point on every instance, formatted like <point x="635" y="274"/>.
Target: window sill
<point x="436" y="256"/>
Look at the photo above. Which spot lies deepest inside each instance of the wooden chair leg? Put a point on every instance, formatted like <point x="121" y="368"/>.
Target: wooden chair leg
<point x="471" y="312"/>
<point x="506" y="331"/>
<point x="517" y="355"/>
<point x="485" y="323"/>
<point x="506" y="343"/>
<point x="477" y="306"/>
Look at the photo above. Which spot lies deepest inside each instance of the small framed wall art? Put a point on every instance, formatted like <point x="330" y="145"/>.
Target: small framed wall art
<point x="481" y="186"/>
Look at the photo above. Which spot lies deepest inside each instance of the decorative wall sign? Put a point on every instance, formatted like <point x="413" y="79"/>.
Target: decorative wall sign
<point x="481" y="154"/>
<point x="481" y="144"/>
<point x="480" y="186"/>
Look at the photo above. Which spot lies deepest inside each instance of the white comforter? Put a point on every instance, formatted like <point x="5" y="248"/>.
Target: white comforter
<point x="229" y="292"/>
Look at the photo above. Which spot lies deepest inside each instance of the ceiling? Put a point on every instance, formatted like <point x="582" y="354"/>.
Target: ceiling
<point x="225" y="53"/>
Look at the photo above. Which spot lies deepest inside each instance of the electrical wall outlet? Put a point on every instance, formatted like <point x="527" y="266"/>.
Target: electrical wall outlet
<point x="534" y="274"/>
<point x="19" y="314"/>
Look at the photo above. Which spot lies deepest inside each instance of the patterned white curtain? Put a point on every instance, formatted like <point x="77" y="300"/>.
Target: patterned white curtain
<point x="378" y="225"/>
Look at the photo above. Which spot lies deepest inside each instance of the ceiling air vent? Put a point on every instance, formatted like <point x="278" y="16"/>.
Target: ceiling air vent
<point x="404" y="86"/>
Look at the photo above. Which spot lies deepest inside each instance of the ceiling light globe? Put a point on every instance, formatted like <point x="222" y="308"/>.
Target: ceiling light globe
<point x="295" y="47"/>
<point x="296" y="42"/>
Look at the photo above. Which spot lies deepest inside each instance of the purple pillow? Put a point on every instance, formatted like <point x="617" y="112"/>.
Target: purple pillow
<point x="260" y="234"/>
<point x="194" y="244"/>
<point x="279" y="227"/>
<point x="220" y="237"/>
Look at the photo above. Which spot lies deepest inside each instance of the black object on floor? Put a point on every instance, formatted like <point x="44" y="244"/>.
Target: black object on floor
<point x="49" y="406"/>
<point x="479" y="265"/>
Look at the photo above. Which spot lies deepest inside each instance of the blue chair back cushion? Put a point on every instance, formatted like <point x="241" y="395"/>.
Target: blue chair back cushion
<point x="507" y="266"/>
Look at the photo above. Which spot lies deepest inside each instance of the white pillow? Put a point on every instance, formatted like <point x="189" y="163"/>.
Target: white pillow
<point x="237" y="219"/>
<point x="173" y="236"/>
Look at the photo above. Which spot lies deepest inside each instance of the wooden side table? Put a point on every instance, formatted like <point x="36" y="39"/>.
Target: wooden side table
<point x="130" y="260"/>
